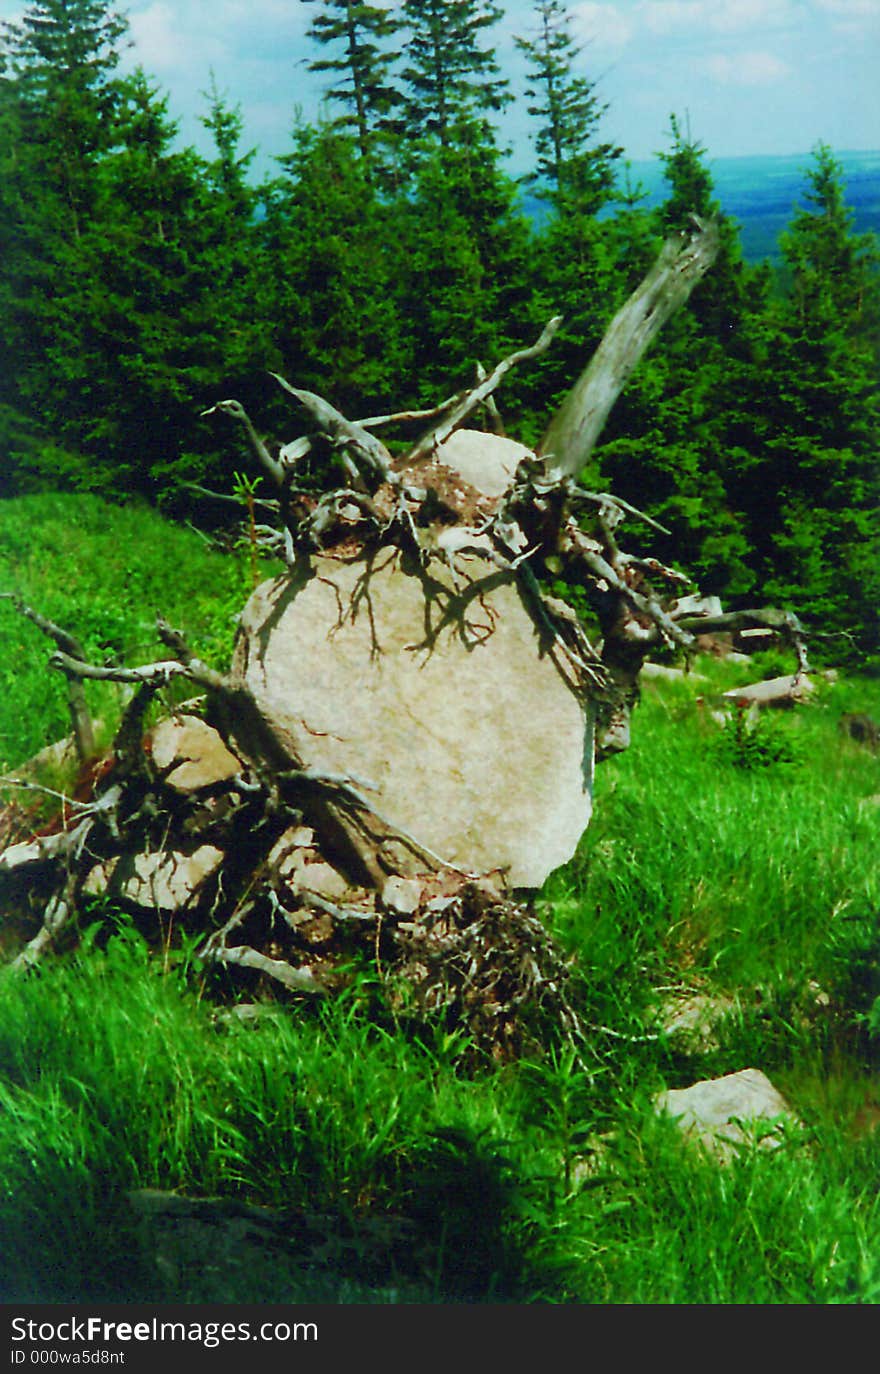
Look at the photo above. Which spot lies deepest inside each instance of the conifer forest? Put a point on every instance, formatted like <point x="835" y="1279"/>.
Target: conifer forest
<point x="388" y="256"/>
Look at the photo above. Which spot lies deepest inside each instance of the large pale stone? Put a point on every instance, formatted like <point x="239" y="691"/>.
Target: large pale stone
<point x="441" y="707"/>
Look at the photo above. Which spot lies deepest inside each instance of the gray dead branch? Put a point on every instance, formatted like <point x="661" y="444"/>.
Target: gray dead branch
<point x="574" y="430"/>
<point x="785" y="691"/>
<point x="428" y="445"/>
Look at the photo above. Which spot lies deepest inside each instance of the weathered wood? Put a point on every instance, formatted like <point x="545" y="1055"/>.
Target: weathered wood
<point x="574" y="430"/>
<point x="234" y="408"/>
<point x="342" y="433"/>
<point x="295" y="979"/>
<point x="775" y="691"/>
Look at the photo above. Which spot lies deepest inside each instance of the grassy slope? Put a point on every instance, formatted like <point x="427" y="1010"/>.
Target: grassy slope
<point x="103" y="573"/>
<point x="696" y="875"/>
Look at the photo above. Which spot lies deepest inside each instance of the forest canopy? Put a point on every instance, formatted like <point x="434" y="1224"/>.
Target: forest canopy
<point x="389" y="255"/>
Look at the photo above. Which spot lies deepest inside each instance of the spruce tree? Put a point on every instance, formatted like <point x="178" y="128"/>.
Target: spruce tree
<point x="451" y="79"/>
<point x="832" y="270"/>
<point x="124" y="286"/>
<point x="62" y="56"/>
<point x="60" y="97"/>
<point x="362" y="82"/>
<point x="681" y="439"/>
<point x="574" y="172"/>
<point x="230" y="165"/>
<point x="465" y="269"/>
<point x="174" y="280"/>
<point x="817" y="525"/>
<point x="330" y="250"/>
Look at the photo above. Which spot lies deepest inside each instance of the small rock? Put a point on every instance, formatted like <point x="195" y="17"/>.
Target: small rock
<point x="25" y="852"/>
<point x="282" y="856"/>
<point x="245" y="1014"/>
<point x="861" y="728"/>
<point x="166" y="880"/>
<point x="696" y="605"/>
<point x="191" y="754"/>
<point x="402" y="895"/>
<point x="818" y="996"/>
<point x="717" y="1112"/>
<point x="667" y="674"/>
<point x="55" y="758"/>
<point x="692" y="1021"/>
<point x="321" y="879"/>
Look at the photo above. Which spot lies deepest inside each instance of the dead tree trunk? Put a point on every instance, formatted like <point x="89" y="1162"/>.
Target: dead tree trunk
<point x="573" y="431"/>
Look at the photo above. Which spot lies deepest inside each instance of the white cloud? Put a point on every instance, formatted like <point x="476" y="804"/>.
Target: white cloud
<point x="714" y="16"/>
<point x="857" y="9"/>
<point x="744" y="69"/>
<point x="163" y="40"/>
<point x="853" y="17"/>
<point x="665" y="16"/>
<point x="171" y="37"/>
<point x="619" y="25"/>
<point x="604" y="24"/>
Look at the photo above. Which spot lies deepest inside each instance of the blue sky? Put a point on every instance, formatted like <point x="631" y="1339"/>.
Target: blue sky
<point x="752" y="76"/>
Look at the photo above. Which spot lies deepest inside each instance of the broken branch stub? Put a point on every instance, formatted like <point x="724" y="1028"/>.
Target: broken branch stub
<point x="572" y="434"/>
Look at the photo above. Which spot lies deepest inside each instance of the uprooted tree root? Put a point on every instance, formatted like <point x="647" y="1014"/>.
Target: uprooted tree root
<point x="278" y="920"/>
<point x="272" y="876"/>
<point x="278" y="872"/>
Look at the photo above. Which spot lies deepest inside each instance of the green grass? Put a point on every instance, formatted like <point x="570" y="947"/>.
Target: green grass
<point x="748" y="875"/>
<point x="123" y="1078"/>
<point x="116" y="1075"/>
<point x="103" y="573"/>
<point x="711" y="866"/>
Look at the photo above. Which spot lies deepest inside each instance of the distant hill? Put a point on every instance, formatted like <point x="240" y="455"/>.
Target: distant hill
<point x="761" y="193"/>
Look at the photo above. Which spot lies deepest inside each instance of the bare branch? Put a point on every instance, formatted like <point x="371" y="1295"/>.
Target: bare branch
<point x="296" y="979"/>
<point x="785" y="623"/>
<point x="319" y="903"/>
<point x="234" y="408"/>
<point x="263" y="502"/>
<point x="766" y="617"/>
<point x="491" y="405"/>
<point x="56" y="916"/>
<point x="67" y="642"/>
<point x="341" y="432"/>
<point x="158" y="673"/>
<point x="606" y="499"/>
<point x="401" y="417"/>
<point x="430" y="442"/>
